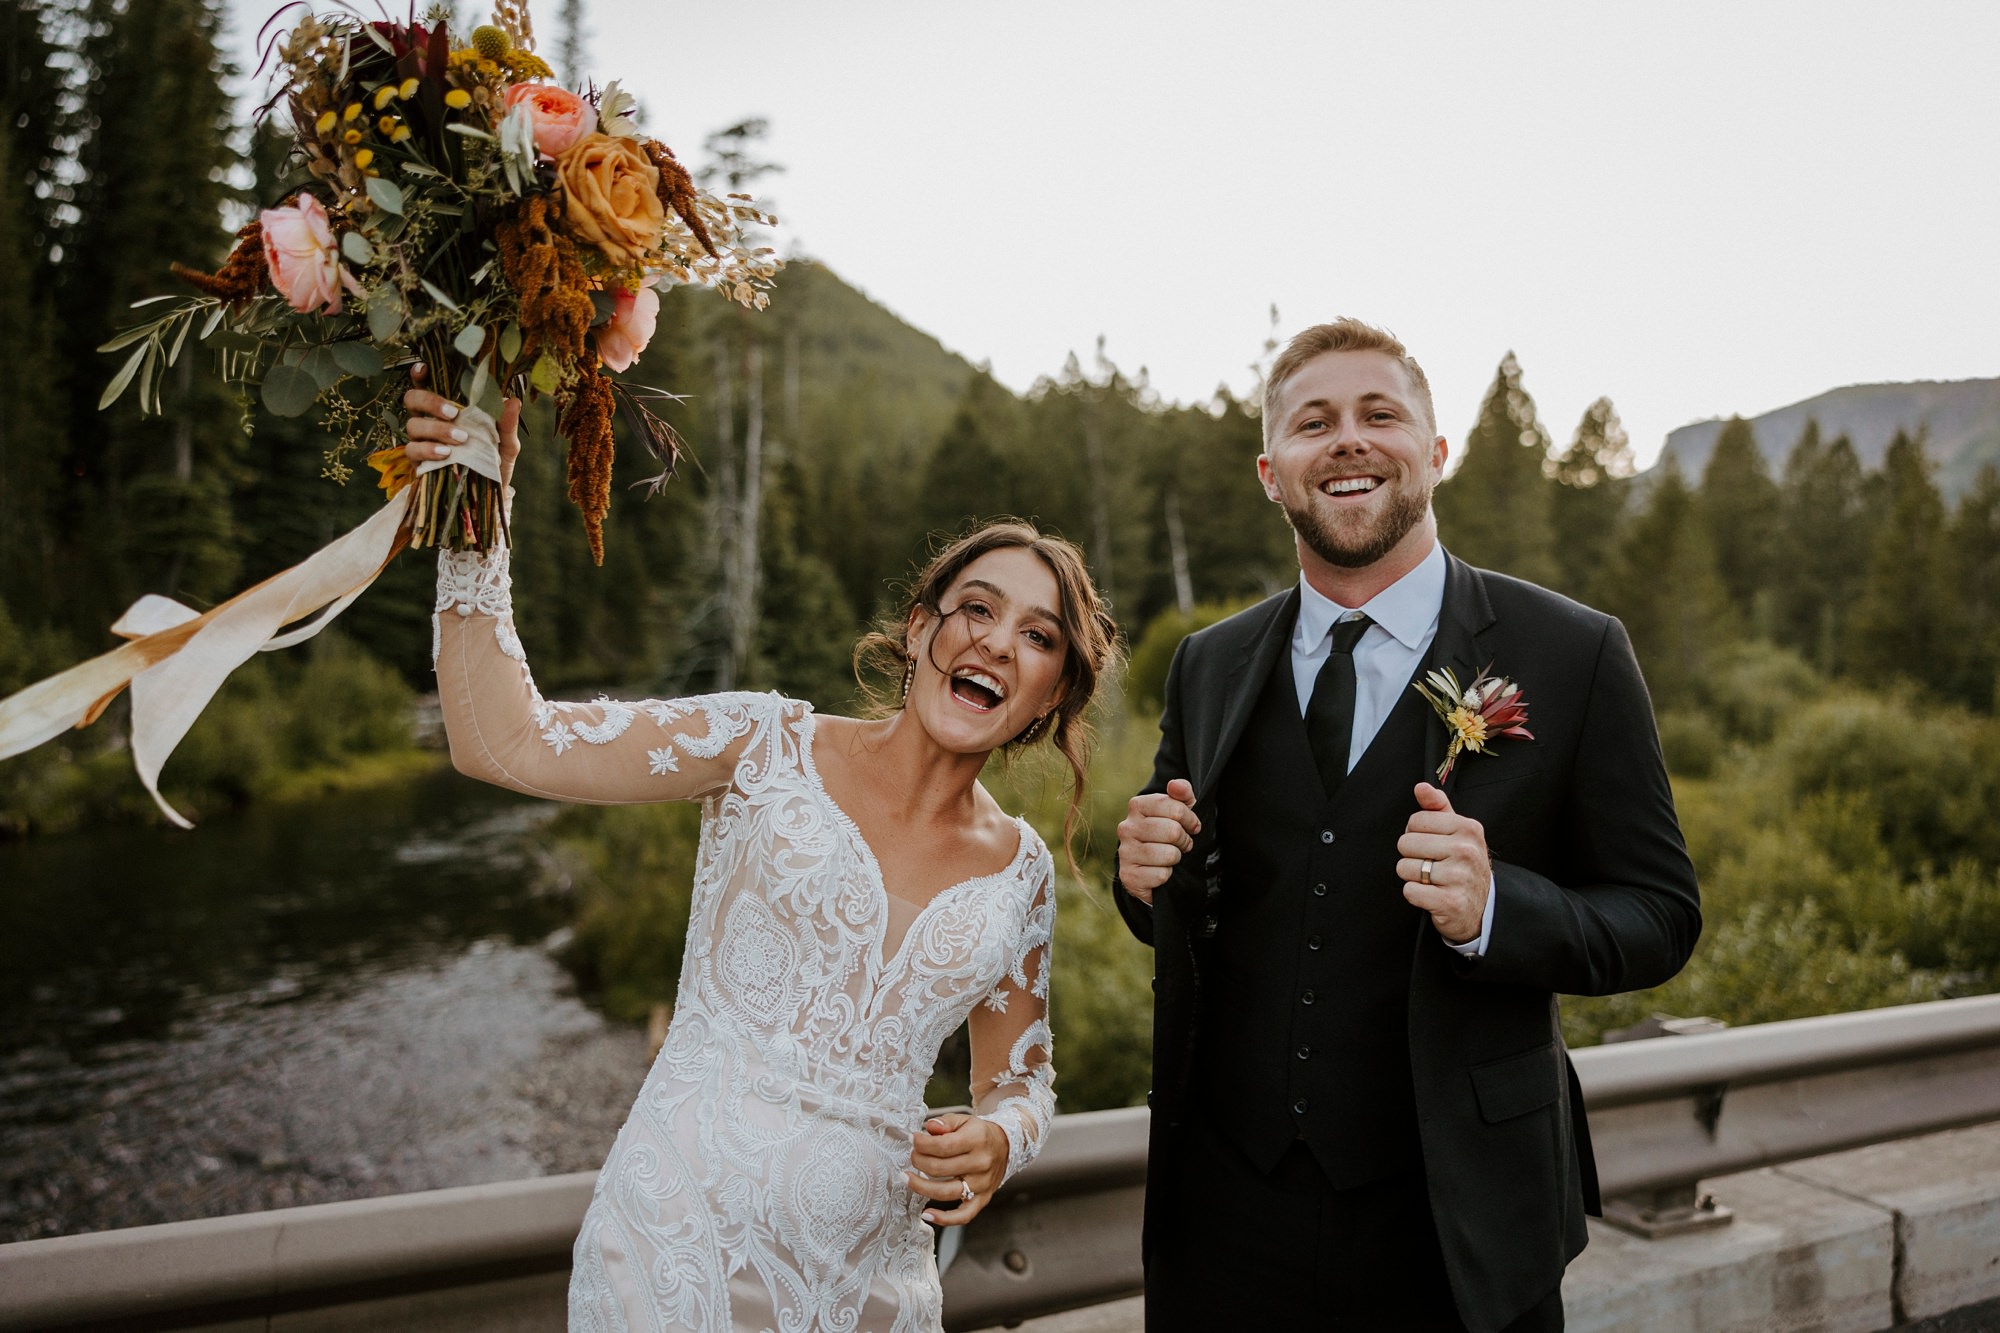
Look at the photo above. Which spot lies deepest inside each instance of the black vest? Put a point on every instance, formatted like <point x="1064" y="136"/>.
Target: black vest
<point x="1305" y="1026"/>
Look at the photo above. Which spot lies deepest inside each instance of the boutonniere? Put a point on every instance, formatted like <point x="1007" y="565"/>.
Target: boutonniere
<point x="1490" y="707"/>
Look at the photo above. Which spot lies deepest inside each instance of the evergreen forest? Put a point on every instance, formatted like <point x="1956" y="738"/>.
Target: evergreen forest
<point x="1822" y="640"/>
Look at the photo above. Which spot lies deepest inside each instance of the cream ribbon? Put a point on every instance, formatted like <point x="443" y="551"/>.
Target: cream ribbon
<point x="178" y="657"/>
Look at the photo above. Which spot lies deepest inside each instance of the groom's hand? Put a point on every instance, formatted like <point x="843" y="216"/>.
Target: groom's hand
<point x="1461" y="871"/>
<point x="1159" y="828"/>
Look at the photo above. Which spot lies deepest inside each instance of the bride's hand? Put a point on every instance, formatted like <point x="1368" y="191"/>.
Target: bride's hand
<point x="432" y="433"/>
<point x="954" y="1148"/>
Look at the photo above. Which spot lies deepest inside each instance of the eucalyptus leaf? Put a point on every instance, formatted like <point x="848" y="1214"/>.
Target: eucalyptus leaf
<point x="601" y="306"/>
<point x="439" y="295"/>
<point x="390" y="227"/>
<point x="323" y="366"/>
<point x="469" y="340"/>
<point x="546" y="377"/>
<point x="214" y="321"/>
<point x="293" y="355"/>
<point x="121" y="379"/>
<point x="152" y="300"/>
<point x="469" y="131"/>
<point x="481" y="381"/>
<point x="385" y="195"/>
<point x="356" y="247"/>
<point x="149" y="384"/>
<point x="358" y="358"/>
<point x="186" y="326"/>
<point x="128" y="337"/>
<point x="289" y="391"/>
<point x="486" y="395"/>
<point x="510" y="342"/>
<point x="385" y="313"/>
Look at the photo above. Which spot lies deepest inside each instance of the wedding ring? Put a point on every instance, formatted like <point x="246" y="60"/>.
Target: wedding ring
<point x="965" y="1189"/>
<point x="1424" y="871"/>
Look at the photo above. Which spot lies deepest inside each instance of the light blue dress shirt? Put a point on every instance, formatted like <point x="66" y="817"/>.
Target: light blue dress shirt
<point x="1385" y="660"/>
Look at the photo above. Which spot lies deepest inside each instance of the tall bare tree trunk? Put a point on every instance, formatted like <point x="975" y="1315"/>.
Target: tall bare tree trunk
<point x="1100" y="507"/>
<point x="724" y="510"/>
<point x="1177" y="546"/>
<point x="743" y="609"/>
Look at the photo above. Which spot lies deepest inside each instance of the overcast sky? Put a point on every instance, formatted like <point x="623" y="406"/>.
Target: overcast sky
<point x="1694" y="208"/>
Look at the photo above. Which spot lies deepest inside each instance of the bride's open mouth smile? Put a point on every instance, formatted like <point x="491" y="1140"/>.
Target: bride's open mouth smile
<point x="977" y="690"/>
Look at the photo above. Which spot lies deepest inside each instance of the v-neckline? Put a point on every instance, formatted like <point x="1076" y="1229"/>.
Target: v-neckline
<point x="886" y="959"/>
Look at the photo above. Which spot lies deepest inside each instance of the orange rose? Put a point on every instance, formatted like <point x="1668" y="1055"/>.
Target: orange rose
<point x="611" y="197"/>
<point x="561" y="117"/>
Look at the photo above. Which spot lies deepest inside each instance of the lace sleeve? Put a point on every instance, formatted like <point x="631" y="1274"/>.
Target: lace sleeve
<point x="1013" y="1075"/>
<point x="604" y="752"/>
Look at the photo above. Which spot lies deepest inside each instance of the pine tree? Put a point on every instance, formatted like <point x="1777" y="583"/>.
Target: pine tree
<point x="968" y="477"/>
<point x="149" y="504"/>
<point x="1739" y="505"/>
<point x="1975" y="540"/>
<point x="1589" y="500"/>
<point x="1495" y="511"/>
<point x="1907" y="619"/>
<point x="1663" y="584"/>
<point x="1822" y="548"/>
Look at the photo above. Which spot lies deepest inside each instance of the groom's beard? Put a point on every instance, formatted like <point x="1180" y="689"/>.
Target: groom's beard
<point x="1354" y="541"/>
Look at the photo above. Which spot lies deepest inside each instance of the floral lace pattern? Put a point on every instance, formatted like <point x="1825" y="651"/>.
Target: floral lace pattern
<point x="758" y="1182"/>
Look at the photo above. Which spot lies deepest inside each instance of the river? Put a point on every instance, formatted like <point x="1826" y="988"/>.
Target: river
<point x="293" y="1004"/>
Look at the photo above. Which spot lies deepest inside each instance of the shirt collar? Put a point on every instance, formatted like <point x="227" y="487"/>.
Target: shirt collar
<point x="1407" y="609"/>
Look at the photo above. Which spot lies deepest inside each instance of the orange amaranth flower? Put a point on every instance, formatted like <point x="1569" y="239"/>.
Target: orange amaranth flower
<point x="242" y="276"/>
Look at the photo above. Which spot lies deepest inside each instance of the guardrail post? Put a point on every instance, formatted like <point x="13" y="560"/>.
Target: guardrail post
<point x="1677" y="1209"/>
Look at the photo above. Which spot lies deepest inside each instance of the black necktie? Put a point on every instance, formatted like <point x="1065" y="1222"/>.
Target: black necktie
<point x="1330" y="715"/>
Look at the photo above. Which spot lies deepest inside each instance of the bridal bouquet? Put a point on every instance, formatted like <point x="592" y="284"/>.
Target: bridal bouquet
<point x="458" y="209"/>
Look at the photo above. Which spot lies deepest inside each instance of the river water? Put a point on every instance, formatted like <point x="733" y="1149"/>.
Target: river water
<point x="295" y="1004"/>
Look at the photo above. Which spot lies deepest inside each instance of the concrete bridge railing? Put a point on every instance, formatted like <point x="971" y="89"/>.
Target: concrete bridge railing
<point x="1664" y="1115"/>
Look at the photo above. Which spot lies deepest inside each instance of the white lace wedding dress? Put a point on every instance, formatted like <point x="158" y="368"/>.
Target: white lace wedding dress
<point x="758" y="1182"/>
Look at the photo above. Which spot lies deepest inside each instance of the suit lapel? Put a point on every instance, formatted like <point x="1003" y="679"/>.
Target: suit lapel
<point x="1465" y="616"/>
<point x="1241" y="687"/>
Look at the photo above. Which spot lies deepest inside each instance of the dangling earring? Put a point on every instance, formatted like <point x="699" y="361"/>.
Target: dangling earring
<point x="1035" y="729"/>
<point x="909" y="676"/>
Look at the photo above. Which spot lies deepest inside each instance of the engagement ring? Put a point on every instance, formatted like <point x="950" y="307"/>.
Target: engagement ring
<point x="965" y="1189"/>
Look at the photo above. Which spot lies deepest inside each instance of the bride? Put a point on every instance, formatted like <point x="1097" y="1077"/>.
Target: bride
<point x="857" y="896"/>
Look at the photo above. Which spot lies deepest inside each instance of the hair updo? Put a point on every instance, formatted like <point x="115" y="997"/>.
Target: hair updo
<point x="1090" y="640"/>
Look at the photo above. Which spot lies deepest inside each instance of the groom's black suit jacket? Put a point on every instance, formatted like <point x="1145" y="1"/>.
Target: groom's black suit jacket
<point x="1595" y="894"/>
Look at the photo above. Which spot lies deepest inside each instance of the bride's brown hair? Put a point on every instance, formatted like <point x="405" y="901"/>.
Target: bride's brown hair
<point x="1090" y="641"/>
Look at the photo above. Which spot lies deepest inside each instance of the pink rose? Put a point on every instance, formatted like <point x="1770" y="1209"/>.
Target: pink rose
<point x="303" y="256"/>
<point x="633" y="319"/>
<point x="561" y="117"/>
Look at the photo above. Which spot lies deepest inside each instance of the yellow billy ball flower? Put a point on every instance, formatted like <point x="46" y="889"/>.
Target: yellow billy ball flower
<point x="408" y="89"/>
<point x="351" y="137"/>
<point x="401" y="135"/>
<point x="353" y="110"/>
<point x="384" y="94"/>
<point x="386" y="125"/>
<point x="327" y="120"/>
<point x="491" y="41"/>
<point x="458" y="99"/>
<point x="364" y="157"/>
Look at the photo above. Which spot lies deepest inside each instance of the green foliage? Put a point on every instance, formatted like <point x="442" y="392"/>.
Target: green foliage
<point x="632" y="869"/>
<point x="1844" y="845"/>
<point x="1822" y="548"/>
<point x="1662" y="583"/>
<point x="1146" y="672"/>
<point x="1495" y="511"/>
<point x="1908" y="623"/>
<point x="1737" y="501"/>
<point x="1588" y="503"/>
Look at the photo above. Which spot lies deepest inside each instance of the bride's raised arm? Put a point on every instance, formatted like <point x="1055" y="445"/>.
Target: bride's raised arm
<point x="603" y="752"/>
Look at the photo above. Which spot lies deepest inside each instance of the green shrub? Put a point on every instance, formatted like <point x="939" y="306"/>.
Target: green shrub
<point x="632" y="869"/>
<point x="1693" y="742"/>
<point x="1146" y="675"/>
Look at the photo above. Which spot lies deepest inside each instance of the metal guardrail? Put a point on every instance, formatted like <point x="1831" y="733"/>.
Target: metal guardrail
<point x="1663" y="1114"/>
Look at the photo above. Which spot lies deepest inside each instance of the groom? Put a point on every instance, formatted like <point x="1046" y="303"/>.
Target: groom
<point x="1363" y="1115"/>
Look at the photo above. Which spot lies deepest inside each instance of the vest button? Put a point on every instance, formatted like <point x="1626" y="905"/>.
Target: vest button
<point x="1299" y="1106"/>
<point x="1313" y="942"/>
<point x="1319" y="890"/>
<point x="1326" y="835"/>
<point x="1305" y="1052"/>
<point x="1306" y="997"/>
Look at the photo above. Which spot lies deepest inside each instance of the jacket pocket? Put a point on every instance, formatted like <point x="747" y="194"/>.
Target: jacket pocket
<point x="1509" y="760"/>
<point x="1518" y="1084"/>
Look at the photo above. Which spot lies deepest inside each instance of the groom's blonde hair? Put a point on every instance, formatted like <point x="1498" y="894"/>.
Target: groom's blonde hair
<point x="1345" y="334"/>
